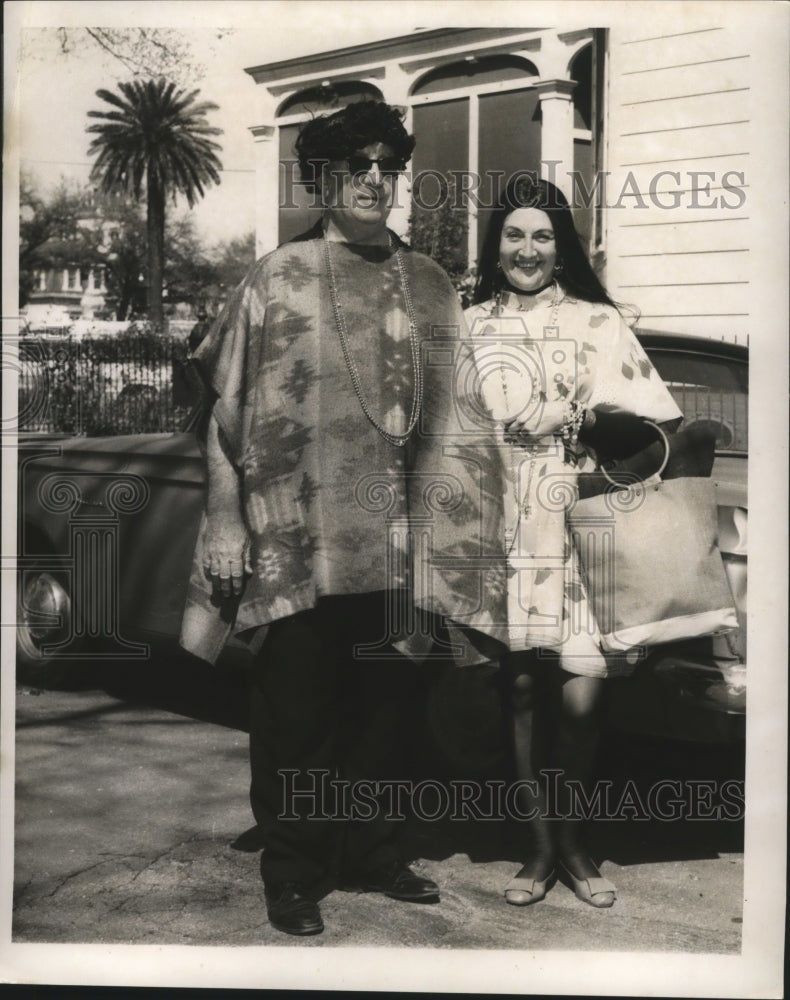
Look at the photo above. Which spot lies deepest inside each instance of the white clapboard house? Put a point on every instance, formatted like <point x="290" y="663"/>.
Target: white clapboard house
<point x="646" y="130"/>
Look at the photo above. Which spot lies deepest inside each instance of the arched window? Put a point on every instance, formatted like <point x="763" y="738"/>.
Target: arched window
<point x="475" y="71"/>
<point x="581" y="73"/>
<point x="477" y="122"/>
<point x="326" y="97"/>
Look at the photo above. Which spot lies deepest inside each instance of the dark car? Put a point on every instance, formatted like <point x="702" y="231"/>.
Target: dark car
<point x="107" y="528"/>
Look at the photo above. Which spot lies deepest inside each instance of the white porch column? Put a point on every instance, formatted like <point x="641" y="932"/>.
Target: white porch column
<point x="267" y="187"/>
<point x="556" y="154"/>
<point x="396" y="93"/>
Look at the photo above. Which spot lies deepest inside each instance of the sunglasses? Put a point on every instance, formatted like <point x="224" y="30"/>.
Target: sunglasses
<point x="389" y="166"/>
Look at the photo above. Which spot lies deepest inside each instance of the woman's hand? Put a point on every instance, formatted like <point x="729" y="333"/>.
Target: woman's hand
<point x="226" y="555"/>
<point x="544" y="419"/>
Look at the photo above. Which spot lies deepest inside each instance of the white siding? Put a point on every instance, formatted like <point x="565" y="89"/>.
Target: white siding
<point x="678" y="246"/>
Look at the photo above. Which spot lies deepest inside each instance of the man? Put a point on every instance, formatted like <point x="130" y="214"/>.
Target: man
<point x="325" y="449"/>
<point x="198" y="332"/>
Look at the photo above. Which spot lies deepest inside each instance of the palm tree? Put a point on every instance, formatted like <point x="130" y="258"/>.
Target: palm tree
<point x="156" y="141"/>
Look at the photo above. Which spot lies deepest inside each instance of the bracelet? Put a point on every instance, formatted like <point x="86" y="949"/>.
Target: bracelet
<point x="572" y="423"/>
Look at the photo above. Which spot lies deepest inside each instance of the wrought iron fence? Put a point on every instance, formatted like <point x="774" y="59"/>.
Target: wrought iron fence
<point x="132" y="383"/>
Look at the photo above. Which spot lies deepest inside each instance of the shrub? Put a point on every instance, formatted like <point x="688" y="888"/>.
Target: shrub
<point x="440" y="233"/>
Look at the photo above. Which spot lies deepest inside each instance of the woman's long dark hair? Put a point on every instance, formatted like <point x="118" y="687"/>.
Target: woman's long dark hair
<point x="577" y="277"/>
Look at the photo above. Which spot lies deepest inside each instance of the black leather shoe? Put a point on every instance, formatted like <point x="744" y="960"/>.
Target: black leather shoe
<point x="398" y="881"/>
<point x="291" y="911"/>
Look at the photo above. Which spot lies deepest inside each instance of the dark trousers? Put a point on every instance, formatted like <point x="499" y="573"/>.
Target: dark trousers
<point x="316" y="707"/>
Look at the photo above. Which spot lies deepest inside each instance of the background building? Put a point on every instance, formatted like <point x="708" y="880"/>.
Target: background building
<point x="645" y="132"/>
<point x="69" y="278"/>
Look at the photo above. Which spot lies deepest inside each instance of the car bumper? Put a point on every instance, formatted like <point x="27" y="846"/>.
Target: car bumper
<point x="682" y="691"/>
<point x="717" y="686"/>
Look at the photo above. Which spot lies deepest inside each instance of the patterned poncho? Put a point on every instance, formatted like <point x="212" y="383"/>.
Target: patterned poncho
<point x="582" y="351"/>
<point x="331" y="506"/>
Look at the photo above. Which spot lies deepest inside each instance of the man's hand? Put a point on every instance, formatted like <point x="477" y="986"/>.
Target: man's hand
<point x="226" y="555"/>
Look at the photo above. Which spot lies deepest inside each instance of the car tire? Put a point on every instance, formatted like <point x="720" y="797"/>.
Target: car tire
<point x="43" y="618"/>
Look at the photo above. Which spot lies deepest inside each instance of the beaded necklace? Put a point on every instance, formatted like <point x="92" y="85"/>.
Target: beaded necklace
<point x="550" y="329"/>
<point x="399" y="440"/>
<point x="523" y="504"/>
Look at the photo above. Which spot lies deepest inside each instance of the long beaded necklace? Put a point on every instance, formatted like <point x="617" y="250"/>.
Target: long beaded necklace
<point x="399" y="440"/>
<point x="550" y="330"/>
<point x="523" y="505"/>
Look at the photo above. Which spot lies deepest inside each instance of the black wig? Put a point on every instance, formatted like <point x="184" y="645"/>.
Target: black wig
<point x="336" y="136"/>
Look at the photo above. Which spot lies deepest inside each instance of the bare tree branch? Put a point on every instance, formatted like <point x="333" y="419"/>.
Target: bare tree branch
<point x="152" y="52"/>
<point x="95" y="34"/>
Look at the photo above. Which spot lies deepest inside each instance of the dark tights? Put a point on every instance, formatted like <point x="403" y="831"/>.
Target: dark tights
<point x="555" y="725"/>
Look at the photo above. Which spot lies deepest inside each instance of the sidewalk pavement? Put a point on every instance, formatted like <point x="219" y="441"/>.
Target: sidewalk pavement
<point x="127" y="816"/>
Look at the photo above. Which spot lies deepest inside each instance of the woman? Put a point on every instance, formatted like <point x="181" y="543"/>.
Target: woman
<point x="571" y="385"/>
<point x="324" y="446"/>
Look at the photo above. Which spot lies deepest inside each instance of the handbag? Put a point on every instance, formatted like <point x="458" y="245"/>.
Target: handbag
<point x="649" y="554"/>
<point x="691" y="453"/>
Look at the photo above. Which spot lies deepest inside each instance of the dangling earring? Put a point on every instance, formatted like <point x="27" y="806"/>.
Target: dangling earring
<point x="559" y="267"/>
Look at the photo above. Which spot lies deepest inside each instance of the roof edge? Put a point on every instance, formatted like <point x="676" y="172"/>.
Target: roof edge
<point x="270" y="72"/>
